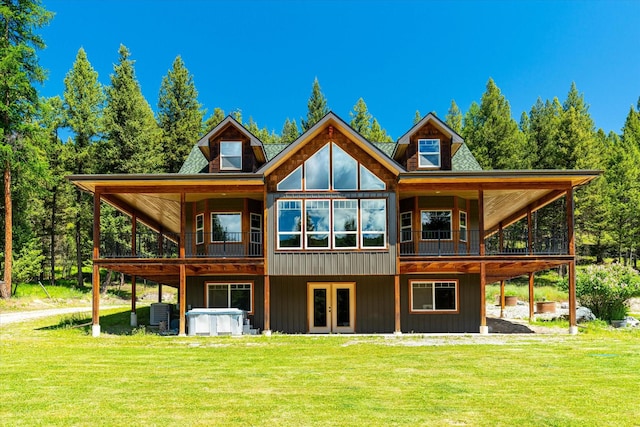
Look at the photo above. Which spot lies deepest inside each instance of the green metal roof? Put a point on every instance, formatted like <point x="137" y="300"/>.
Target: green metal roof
<point x="273" y="150"/>
<point x="464" y="160"/>
<point x="196" y="162"/>
<point x="386" y="147"/>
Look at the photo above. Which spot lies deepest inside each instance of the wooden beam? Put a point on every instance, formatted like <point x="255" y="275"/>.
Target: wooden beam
<point x="183" y="225"/>
<point x="529" y="231"/>
<point x="95" y="279"/>
<point x="396" y="298"/>
<point x="483" y="304"/>
<point x="211" y="187"/>
<point x="133" y="294"/>
<point x="267" y="304"/>
<point x="182" y="300"/>
<point x="128" y="210"/>
<point x="502" y="299"/>
<point x="531" y="296"/>
<point x="573" y="325"/>
<point x="481" y="221"/>
<point x="442" y="185"/>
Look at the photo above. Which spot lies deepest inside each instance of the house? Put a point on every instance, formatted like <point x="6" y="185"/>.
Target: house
<point x="333" y="233"/>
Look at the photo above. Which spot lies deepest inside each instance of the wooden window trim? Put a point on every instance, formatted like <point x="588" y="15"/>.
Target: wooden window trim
<point x="425" y="311"/>
<point x="211" y="214"/>
<point x="243" y="282"/>
<point x="450" y="210"/>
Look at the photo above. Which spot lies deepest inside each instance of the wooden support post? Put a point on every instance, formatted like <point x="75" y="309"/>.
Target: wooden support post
<point x="396" y="293"/>
<point x="95" y="301"/>
<point x="134" y="250"/>
<point x="481" y="221"/>
<point x="484" y="329"/>
<point x="502" y="299"/>
<point x="573" y="325"/>
<point x="159" y="292"/>
<point x="182" y="300"/>
<point x="500" y="238"/>
<point x="532" y="277"/>
<point x="134" y="315"/>
<point x="267" y="305"/>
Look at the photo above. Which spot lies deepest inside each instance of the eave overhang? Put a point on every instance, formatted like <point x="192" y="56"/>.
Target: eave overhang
<point x="403" y="142"/>
<point x="256" y="144"/>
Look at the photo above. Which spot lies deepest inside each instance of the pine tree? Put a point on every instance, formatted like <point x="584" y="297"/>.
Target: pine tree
<point x="132" y="142"/>
<point x="214" y="120"/>
<point x="83" y="107"/>
<point x="471" y="127"/>
<point x="377" y="134"/>
<point x="317" y="107"/>
<point x="19" y="69"/>
<point x="290" y="131"/>
<point x="544" y="124"/>
<point x="361" y="118"/>
<point x="417" y="117"/>
<point x="179" y="115"/>
<point x="454" y="117"/>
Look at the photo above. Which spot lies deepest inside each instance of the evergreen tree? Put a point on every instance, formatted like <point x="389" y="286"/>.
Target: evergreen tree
<point x="214" y="120"/>
<point x="377" y="134"/>
<point x="471" y="127"/>
<point x="317" y="107"/>
<point x="132" y="142"/>
<point x="454" y="117"/>
<point x="290" y="131"/>
<point x="576" y="139"/>
<point x="83" y="106"/>
<point x="361" y="118"/>
<point x="19" y="68"/>
<point x="417" y="117"/>
<point x="543" y="132"/>
<point x="179" y="115"/>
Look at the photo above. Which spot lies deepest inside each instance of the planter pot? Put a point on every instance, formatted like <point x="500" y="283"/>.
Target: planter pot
<point x="510" y="301"/>
<point x="546" y="307"/>
<point x="619" y="323"/>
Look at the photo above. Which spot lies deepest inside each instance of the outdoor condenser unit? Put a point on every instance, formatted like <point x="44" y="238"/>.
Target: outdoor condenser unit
<point x="159" y="312"/>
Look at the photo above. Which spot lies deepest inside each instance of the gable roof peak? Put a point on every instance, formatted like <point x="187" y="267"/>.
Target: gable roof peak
<point x="256" y="144"/>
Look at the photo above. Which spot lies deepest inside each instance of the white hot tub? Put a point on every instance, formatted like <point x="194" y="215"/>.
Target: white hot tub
<point x="215" y="321"/>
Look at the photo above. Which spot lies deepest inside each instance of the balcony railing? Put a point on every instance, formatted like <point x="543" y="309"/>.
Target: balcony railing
<point x="197" y="245"/>
<point x="467" y="243"/>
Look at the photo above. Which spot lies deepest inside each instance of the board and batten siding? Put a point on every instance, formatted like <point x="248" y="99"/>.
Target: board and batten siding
<point x="374" y="303"/>
<point x="330" y="262"/>
<point x="466" y="320"/>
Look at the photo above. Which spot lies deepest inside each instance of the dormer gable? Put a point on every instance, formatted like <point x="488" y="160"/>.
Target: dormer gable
<point x="429" y="145"/>
<point x="230" y="147"/>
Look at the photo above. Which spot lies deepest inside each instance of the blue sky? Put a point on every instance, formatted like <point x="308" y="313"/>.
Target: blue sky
<point x="400" y="56"/>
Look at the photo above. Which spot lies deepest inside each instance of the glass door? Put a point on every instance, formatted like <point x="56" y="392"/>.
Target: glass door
<point x="331" y="307"/>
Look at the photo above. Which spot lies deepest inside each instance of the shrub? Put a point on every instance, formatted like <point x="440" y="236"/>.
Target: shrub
<point x="606" y="289"/>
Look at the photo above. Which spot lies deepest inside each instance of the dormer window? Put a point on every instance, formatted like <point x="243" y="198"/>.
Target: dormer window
<point x="429" y="153"/>
<point x="231" y="155"/>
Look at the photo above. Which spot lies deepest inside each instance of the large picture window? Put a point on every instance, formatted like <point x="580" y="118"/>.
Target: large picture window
<point x="230" y="295"/>
<point x="226" y="227"/>
<point x="231" y="155"/>
<point x="345" y="224"/>
<point x="289" y="224"/>
<point x="429" y="153"/>
<point x="432" y="296"/>
<point x="373" y="215"/>
<point x="317" y="223"/>
<point x="436" y="224"/>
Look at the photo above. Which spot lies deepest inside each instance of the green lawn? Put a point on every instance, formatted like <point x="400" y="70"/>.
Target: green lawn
<point x="55" y="374"/>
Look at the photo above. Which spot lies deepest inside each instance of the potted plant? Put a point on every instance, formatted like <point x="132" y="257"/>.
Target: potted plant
<point x="619" y="316"/>
<point x="545" y="306"/>
<point x="510" y="299"/>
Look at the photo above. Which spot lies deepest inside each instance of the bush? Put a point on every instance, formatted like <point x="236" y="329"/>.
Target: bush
<point x="606" y="289"/>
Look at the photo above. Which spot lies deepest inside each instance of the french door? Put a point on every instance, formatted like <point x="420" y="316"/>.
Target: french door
<point x="331" y="307"/>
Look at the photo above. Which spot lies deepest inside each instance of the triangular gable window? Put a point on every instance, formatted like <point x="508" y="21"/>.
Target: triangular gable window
<point x="293" y="181"/>
<point x="368" y="181"/>
<point x="331" y="161"/>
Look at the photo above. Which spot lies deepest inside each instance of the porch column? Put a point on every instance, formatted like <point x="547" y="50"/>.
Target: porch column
<point x="182" y="299"/>
<point x="529" y="231"/>
<point x="573" y="325"/>
<point x="484" y="329"/>
<point x="267" y="306"/>
<point x="134" y="315"/>
<point x="183" y="269"/>
<point x="134" y="225"/>
<point x="531" y="296"/>
<point x="95" y="279"/>
<point x="396" y="293"/>
<point x="159" y="292"/>
<point x="501" y="299"/>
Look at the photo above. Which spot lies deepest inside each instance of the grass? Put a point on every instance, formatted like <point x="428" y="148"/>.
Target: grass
<point x="54" y="373"/>
<point x="540" y="293"/>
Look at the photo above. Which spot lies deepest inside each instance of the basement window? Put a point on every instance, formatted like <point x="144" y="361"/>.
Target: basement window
<point x="433" y="296"/>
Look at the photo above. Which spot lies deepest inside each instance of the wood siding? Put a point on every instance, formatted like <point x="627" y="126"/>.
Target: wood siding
<point x="249" y="162"/>
<point x="468" y="319"/>
<point x="428" y="131"/>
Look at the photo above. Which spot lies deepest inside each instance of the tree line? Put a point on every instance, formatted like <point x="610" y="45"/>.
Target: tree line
<point x="113" y="129"/>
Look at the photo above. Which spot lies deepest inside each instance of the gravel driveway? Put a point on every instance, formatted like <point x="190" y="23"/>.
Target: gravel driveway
<point x="21" y="316"/>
